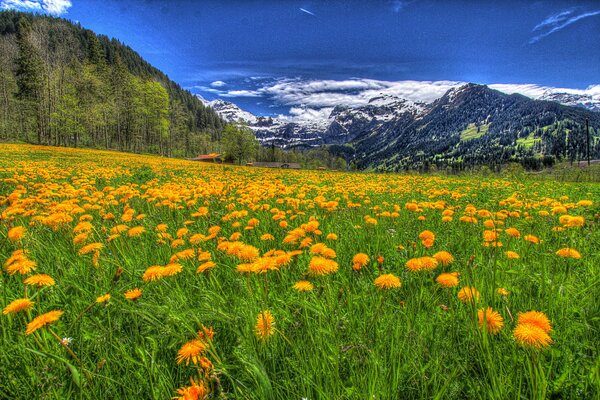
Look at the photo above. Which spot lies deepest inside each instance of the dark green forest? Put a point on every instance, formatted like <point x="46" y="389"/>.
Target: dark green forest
<point x="63" y="85"/>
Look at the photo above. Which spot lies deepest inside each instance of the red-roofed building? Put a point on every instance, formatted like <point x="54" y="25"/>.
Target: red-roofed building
<point x="212" y="157"/>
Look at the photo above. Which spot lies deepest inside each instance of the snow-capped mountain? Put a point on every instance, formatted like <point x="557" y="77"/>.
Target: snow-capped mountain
<point x="469" y="122"/>
<point x="230" y="112"/>
<point x="591" y="102"/>
<point x="341" y="126"/>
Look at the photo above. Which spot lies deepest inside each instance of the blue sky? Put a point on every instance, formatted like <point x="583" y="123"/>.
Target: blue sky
<point x="261" y="54"/>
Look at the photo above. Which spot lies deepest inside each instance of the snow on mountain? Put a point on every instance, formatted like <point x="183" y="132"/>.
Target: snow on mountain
<point x="591" y="102"/>
<point x="306" y="127"/>
<point x="230" y="112"/>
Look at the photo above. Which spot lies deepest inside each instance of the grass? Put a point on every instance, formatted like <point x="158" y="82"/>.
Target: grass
<point x="528" y="142"/>
<point x="472" y="133"/>
<point x="346" y="338"/>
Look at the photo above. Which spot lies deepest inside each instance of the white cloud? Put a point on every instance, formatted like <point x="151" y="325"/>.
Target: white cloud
<point x="311" y="101"/>
<point x="241" y="93"/>
<point x="536" y="91"/>
<point x="352" y="92"/>
<point x="218" y="84"/>
<point x="304" y="115"/>
<point x="53" y="7"/>
<point x="559" y="21"/>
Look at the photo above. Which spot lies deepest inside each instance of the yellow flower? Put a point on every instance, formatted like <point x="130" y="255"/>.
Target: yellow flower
<point x="502" y="292"/>
<point x="133" y="294"/>
<point x="387" y="281"/>
<point x="136" y="231"/>
<point x="18" y="305"/>
<point x="172" y="269"/>
<point x="536" y="318"/>
<point x="303" y="286"/>
<point x="533" y="239"/>
<point x="265" y="325"/>
<point x="17" y="233"/>
<point x="205" y="266"/>
<point x="447" y="280"/>
<point x="191" y="352"/>
<point x="361" y="260"/>
<point x="444" y="258"/>
<point x="39" y="280"/>
<point x="513" y="232"/>
<point x="196" y="391"/>
<point x="490" y="236"/>
<point x="529" y="335"/>
<point x="319" y="266"/>
<point x="153" y="273"/>
<point x="43" y="320"/>
<point x="427" y="238"/>
<point x="491" y="319"/>
<point x="568" y="253"/>
<point x="104" y="298"/>
<point x="512" y="255"/>
<point x="90" y="248"/>
<point x="468" y="295"/>
<point x="331" y="236"/>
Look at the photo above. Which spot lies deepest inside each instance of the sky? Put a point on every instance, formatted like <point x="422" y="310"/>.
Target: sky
<point x="301" y="58"/>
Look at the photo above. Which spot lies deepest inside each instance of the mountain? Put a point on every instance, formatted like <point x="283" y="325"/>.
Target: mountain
<point x="590" y="102"/>
<point x="64" y="85"/>
<point x="471" y="124"/>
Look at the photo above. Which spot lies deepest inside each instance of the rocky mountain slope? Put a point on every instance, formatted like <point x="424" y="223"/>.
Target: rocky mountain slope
<point x="469" y="124"/>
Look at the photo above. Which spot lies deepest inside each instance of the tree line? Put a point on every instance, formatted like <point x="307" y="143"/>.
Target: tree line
<point x="64" y="85"/>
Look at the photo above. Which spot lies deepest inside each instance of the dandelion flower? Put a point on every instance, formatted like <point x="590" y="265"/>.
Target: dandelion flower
<point x="468" y="295"/>
<point x="529" y="335"/>
<point x="414" y="265"/>
<point x="191" y="352"/>
<point x="205" y="266"/>
<point x="513" y="232"/>
<point x="153" y="273"/>
<point x="42" y="320"/>
<point x="18" y="305"/>
<point x="265" y="325"/>
<point x="90" y="248"/>
<point x="360" y="260"/>
<point x="444" y="258"/>
<point x="447" y="280"/>
<point x="39" y="280"/>
<point x="536" y="318"/>
<point x="387" y="281"/>
<point x="196" y="391"/>
<point x="429" y="263"/>
<point x="133" y="294"/>
<point x="104" y="298"/>
<point x="533" y="239"/>
<point x="492" y="320"/>
<point x="512" y="255"/>
<point x="427" y="238"/>
<point x="303" y="286"/>
<point x="172" y="269"/>
<point x="319" y="266"/>
<point x="136" y="231"/>
<point x="568" y="253"/>
<point x="502" y="292"/>
<point x="15" y="234"/>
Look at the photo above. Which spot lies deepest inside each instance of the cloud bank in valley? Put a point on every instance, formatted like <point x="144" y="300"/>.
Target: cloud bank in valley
<point x="312" y="100"/>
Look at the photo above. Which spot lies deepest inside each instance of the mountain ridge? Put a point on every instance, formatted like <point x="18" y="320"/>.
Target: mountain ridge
<point x="471" y="123"/>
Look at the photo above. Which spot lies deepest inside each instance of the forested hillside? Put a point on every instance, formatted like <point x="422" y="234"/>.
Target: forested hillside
<point x="61" y="84"/>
